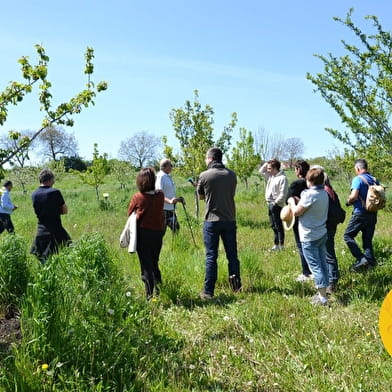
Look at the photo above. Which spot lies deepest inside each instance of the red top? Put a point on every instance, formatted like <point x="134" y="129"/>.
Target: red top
<point x="149" y="210"/>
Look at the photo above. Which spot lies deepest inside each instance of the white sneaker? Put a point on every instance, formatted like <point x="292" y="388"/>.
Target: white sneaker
<point x="318" y="300"/>
<point x="303" y="278"/>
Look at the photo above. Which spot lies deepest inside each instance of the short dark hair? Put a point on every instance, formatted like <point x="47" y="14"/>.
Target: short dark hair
<point x="7" y="183"/>
<point x="302" y="166"/>
<point x="316" y="175"/>
<point x="45" y="176"/>
<point x="215" y="154"/>
<point x="274" y="163"/>
<point x="361" y="164"/>
<point x="145" y="180"/>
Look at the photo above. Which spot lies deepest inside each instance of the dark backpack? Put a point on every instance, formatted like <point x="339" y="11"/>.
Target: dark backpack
<point x="336" y="214"/>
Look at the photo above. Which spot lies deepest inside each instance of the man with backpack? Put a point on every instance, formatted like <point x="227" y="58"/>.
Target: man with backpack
<point x="362" y="219"/>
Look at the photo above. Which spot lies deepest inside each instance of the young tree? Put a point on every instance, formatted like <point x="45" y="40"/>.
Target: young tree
<point x="56" y="142"/>
<point x="15" y="92"/>
<point x="243" y="158"/>
<point x="140" y="150"/>
<point x="358" y="86"/>
<point x="96" y="173"/>
<point x="122" y="172"/>
<point x="193" y="127"/>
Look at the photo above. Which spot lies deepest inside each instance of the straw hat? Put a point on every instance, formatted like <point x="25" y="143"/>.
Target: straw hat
<point x="287" y="217"/>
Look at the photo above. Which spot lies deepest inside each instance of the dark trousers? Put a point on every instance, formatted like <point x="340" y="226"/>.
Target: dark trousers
<point x="304" y="264"/>
<point x="148" y="247"/>
<point x="6" y="223"/>
<point x="212" y="231"/>
<point x="364" y="222"/>
<point x="332" y="261"/>
<point x="170" y="220"/>
<point x="276" y="223"/>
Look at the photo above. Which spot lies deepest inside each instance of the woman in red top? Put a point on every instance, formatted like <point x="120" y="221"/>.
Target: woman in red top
<point x="148" y="204"/>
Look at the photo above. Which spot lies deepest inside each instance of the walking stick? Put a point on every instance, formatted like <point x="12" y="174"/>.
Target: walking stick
<point x="189" y="223"/>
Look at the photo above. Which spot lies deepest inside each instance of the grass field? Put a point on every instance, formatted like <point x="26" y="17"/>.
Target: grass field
<point x="87" y="327"/>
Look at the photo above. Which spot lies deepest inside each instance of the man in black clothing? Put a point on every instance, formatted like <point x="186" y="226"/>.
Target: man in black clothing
<point x="49" y="205"/>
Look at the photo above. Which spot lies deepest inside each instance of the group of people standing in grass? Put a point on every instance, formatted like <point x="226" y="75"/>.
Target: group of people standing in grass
<point x="311" y="213"/>
<point x="304" y="205"/>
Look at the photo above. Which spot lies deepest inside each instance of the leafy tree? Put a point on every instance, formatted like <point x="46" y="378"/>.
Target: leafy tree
<point x="13" y="141"/>
<point x="24" y="176"/>
<point x="293" y="148"/>
<point x="96" y="173"/>
<point x="358" y="86"/>
<point x="74" y="163"/>
<point x="122" y="171"/>
<point x="140" y="150"/>
<point x="193" y="127"/>
<point x="56" y="142"/>
<point x="244" y="159"/>
<point x="63" y="114"/>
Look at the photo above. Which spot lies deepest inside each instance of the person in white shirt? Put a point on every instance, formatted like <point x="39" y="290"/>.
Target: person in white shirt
<point x="164" y="182"/>
<point x="6" y="209"/>
<point x="275" y="194"/>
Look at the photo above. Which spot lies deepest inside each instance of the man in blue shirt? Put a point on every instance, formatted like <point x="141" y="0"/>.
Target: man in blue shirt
<point x="361" y="220"/>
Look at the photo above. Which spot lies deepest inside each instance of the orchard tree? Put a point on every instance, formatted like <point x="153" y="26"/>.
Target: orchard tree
<point x="55" y="143"/>
<point x="13" y="141"/>
<point x="243" y="158"/>
<point x="140" y="150"/>
<point x="193" y="127"/>
<point x="63" y="114"/>
<point x="122" y="172"/>
<point x="293" y="148"/>
<point x="96" y="172"/>
<point x="358" y="86"/>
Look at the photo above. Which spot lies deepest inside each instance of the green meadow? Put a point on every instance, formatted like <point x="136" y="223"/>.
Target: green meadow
<point x="86" y="325"/>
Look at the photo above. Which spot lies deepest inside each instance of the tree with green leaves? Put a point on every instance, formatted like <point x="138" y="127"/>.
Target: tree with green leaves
<point x="358" y="86"/>
<point x="122" y="172"/>
<point x="96" y="172"/>
<point x="193" y="127"/>
<point x="243" y="158"/>
<point x="36" y="74"/>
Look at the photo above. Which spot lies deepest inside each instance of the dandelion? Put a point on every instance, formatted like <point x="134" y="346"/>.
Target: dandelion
<point x="44" y="367"/>
<point x="105" y="195"/>
<point x="154" y="299"/>
<point x="128" y="294"/>
<point x="359" y="355"/>
<point x="368" y="334"/>
<point x="226" y="318"/>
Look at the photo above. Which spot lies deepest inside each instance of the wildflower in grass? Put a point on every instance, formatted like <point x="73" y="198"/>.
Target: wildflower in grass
<point x="226" y="318"/>
<point x="44" y="367"/>
<point x="111" y="312"/>
<point x="105" y="195"/>
<point x="154" y="299"/>
<point x="128" y="294"/>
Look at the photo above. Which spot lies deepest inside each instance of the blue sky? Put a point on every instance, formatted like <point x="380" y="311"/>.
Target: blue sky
<point x="248" y="56"/>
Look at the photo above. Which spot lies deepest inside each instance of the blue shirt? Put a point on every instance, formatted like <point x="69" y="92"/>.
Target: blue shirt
<point x="6" y="206"/>
<point x="359" y="184"/>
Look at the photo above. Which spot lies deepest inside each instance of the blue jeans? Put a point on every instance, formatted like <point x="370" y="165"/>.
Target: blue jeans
<point x="364" y="222"/>
<point x="305" y="268"/>
<point x="332" y="261"/>
<point x="276" y="223"/>
<point x="211" y="233"/>
<point x="315" y="254"/>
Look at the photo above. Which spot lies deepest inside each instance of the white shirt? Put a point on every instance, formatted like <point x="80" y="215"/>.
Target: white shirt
<point x="165" y="183"/>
